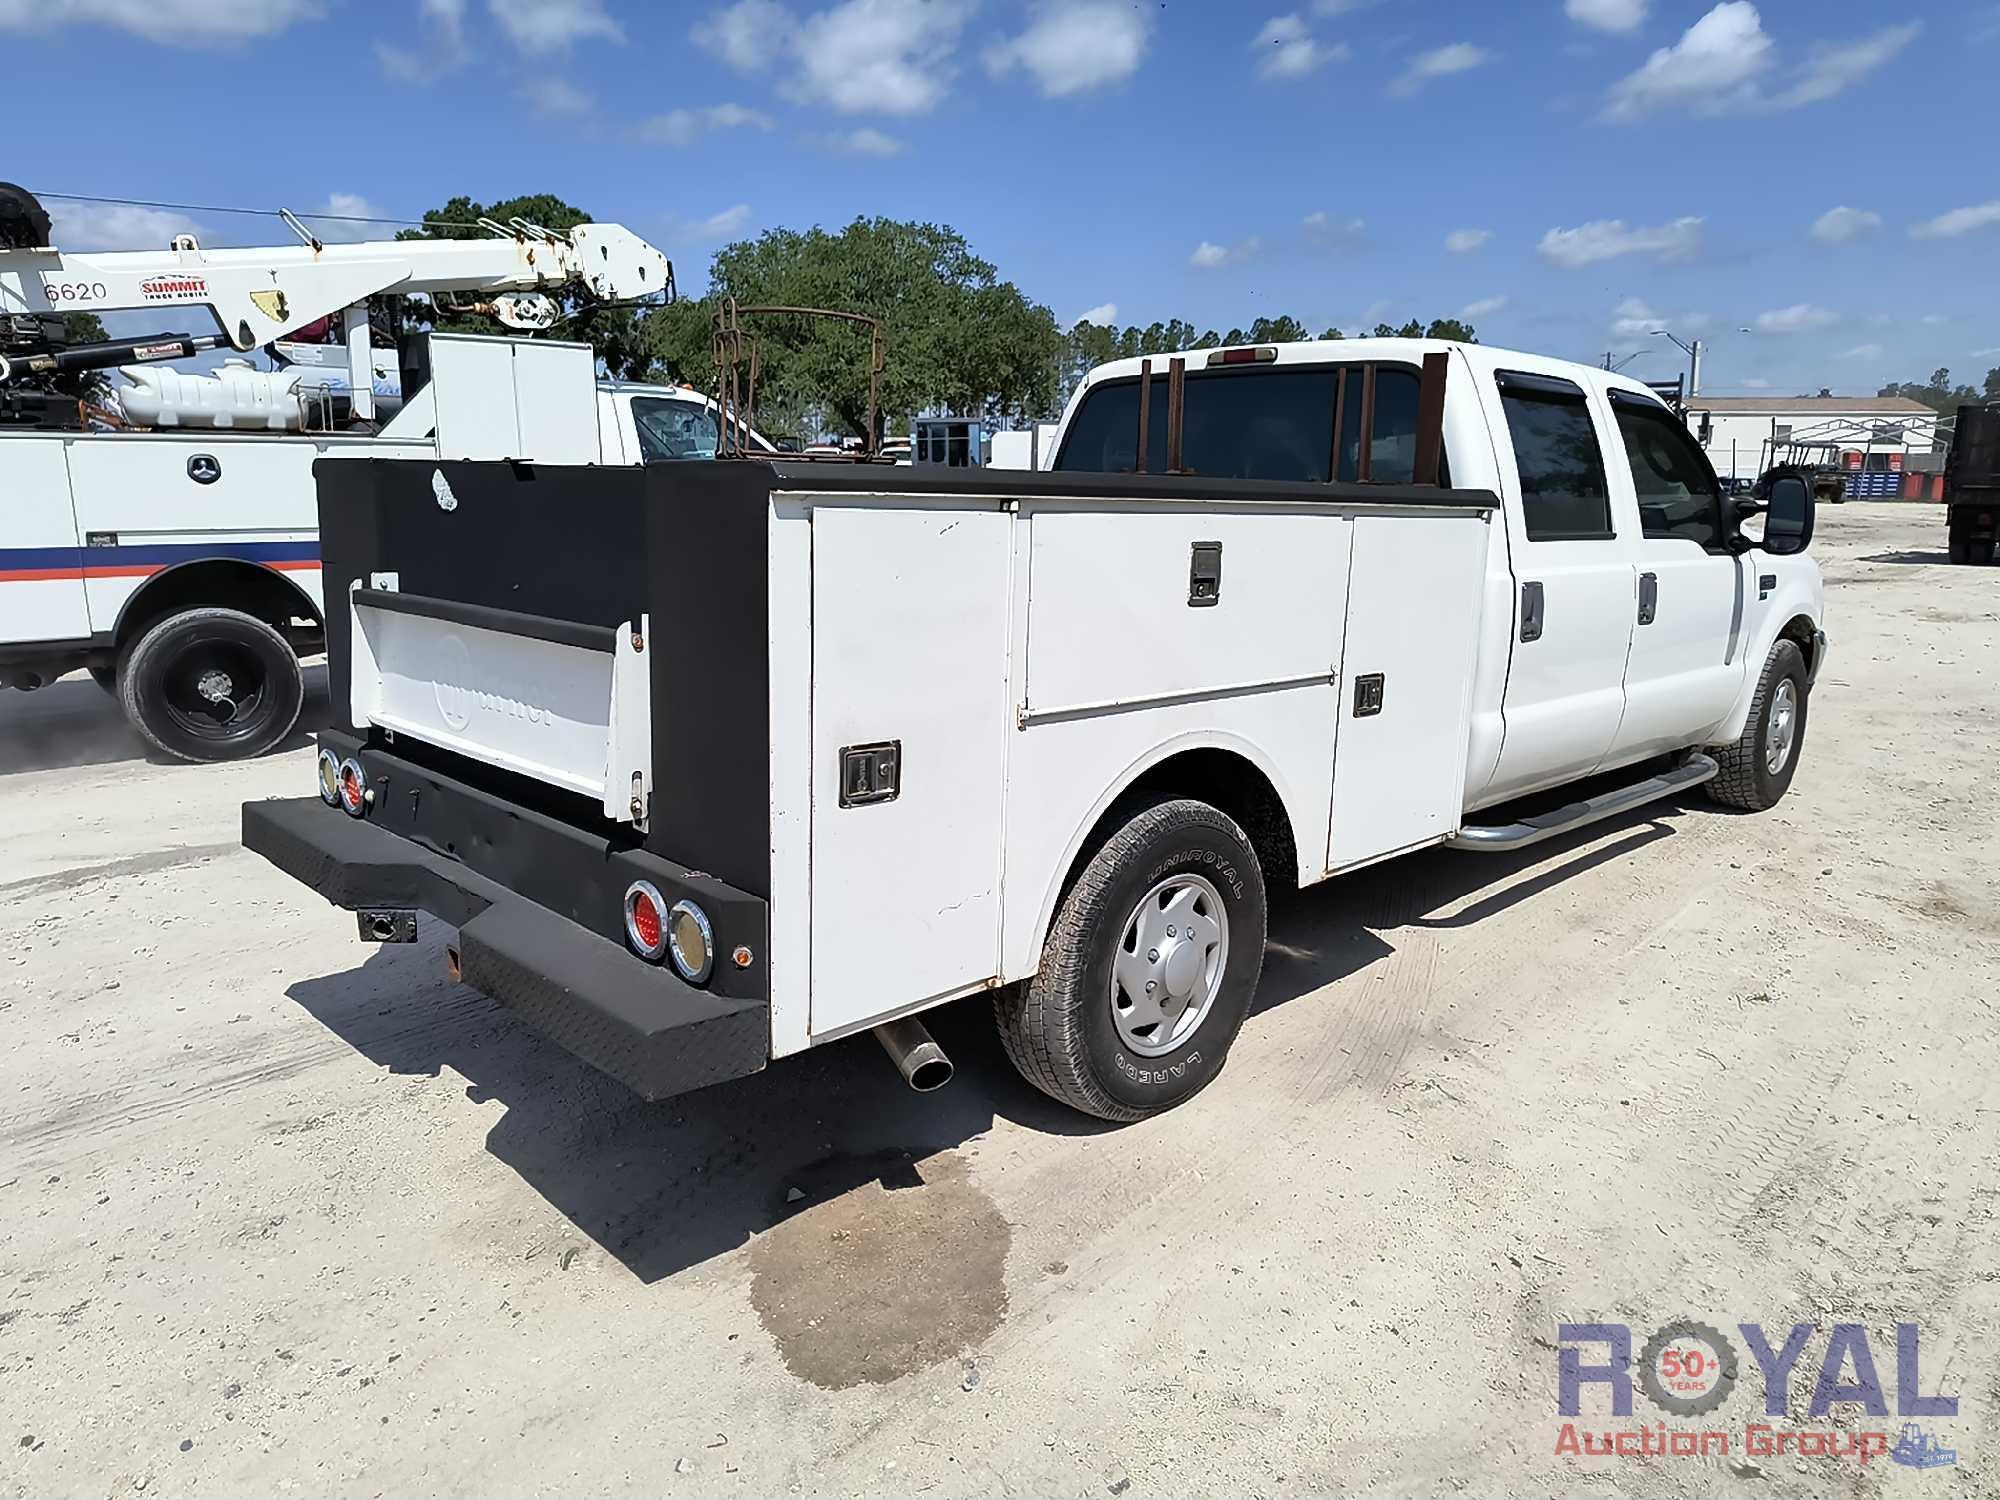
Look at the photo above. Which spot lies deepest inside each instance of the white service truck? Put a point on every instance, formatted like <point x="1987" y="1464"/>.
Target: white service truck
<point x="179" y="562"/>
<point x="777" y="752"/>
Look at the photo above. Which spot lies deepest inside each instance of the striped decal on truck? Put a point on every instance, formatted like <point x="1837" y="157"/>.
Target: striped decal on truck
<point x="35" y="564"/>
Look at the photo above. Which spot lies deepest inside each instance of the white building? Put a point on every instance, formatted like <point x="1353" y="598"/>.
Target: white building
<point x="1744" y="435"/>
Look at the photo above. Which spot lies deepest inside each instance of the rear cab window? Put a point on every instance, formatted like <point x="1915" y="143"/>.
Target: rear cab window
<point x="1269" y="421"/>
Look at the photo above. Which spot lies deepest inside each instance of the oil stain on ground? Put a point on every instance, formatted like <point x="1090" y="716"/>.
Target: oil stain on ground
<point x="867" y="1283"/>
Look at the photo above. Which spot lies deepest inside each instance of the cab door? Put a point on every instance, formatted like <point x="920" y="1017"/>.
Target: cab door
<point x="1573" y="584"/>
<point x="1685" y="666"/>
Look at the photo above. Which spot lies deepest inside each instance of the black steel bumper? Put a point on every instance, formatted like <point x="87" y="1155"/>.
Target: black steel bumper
<point x="638" y="1022"/>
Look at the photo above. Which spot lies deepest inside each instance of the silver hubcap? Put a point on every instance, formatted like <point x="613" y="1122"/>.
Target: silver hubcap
<point x="1784" y="727"/>
<point x="1169" y="964"/>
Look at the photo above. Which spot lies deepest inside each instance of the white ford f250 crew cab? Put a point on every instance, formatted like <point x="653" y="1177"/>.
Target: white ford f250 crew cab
<point x="776" y="752"/>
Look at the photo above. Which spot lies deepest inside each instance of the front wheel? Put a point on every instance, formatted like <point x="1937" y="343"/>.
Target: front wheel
<point x="211" y="684"/>
<point x="1149" y="968"/>
<point x="1757" y="770"/>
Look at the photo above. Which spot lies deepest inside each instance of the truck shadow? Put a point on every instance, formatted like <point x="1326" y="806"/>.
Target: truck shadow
<point x="74" y="723"/>
<point x="665" y="1187"/>
<point x="1905" y="557"/>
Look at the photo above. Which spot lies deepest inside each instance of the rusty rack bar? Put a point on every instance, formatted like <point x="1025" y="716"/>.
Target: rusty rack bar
<point x="736" y="388"/>
<point x="1176" y="411"/>
<point x="1145" y="412"/>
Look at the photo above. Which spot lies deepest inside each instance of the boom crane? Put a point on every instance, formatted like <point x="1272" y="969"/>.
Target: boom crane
<point x="260" y="294"/>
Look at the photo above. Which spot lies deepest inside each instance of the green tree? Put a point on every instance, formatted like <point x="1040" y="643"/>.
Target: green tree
<point x="1453" y="329"/>
<point x="613" y="332"/>
<point x="959" y="338"/>
<point x="1993" y="384"/>
<point x="1940" y="394"/>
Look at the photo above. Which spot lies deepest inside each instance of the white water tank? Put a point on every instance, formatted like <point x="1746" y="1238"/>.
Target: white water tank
<point x="237" y="395"/>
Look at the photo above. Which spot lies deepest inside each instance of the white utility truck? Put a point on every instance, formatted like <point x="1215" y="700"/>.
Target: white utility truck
<point x="776" y="752"/>
<point x="179" y="563"/>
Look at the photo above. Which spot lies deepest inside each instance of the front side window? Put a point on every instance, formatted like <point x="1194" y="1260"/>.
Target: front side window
<point x="674" y="429"/>
<point x="1563" y="492"/>
<point x="1678" y="495"/>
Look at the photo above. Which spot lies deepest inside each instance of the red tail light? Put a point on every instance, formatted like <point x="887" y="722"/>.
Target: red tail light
<point x="354" y="794"/>
<point x="646" y="919"/>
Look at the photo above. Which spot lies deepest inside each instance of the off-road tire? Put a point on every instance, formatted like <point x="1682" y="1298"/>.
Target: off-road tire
<point x="1959" y="550"/>
<point x="1747" y="780"/>
<point x="1058" y="1028"/>
<point x="155" y="676"/>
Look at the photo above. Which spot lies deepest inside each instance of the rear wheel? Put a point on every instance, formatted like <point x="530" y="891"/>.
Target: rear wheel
<point x="1757" y="770"/>
<point x="211" y="684"/>
<point x="1980" y="553"/>
<point x="1149" y="967"/>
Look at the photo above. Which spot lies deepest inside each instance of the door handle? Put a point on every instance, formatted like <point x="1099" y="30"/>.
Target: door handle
<point x="1531" y="612"/>
<point x="1649" y="597"/>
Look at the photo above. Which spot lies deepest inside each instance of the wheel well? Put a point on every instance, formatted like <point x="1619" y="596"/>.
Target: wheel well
<point x="1800" y="631"/>
<point x="1225" y="781"/>
<point x="216" y="583"/>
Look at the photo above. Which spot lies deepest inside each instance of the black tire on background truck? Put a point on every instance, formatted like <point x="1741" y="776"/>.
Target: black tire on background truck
<point x="1757" y="770"/>
<point x="211" y="684"/>
<point x="1149" y="968"/>
<point x="106" y="678"/>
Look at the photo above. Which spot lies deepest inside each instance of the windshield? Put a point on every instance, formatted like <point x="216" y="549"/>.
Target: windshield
<point x="674" y="429"/>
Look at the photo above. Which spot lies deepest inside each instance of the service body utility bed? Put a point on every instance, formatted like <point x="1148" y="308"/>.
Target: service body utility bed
<point x="873" y="722"/>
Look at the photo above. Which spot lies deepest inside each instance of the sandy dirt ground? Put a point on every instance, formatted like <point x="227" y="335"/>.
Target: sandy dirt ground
<point x="281" y="1213"/>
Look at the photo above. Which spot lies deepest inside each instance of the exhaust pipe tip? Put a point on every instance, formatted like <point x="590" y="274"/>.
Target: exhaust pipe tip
<point x="920" y="1060"/>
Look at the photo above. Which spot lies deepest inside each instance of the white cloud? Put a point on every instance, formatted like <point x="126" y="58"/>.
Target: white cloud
<point x="745" y="34"/>
<point x="1291" y="51"/>
<point x="1715" y="68"/>
<point x="1209" y="256"/>
<point x="887" y="57"/>
<point x="1933" y="320"/>
<point x="552" y="25"/>
<point x="1104" y="315"/>
<point x="1831" y="67"/>
<point x="1959" y="221"/>
<point x="1608" y="15"/>
<point x="1800" y="317"/>
<point x="401" y="64"/>
<point x="1838" y="226"/>
<point x="1337" y="233"/>
<point x="114" y="226"/>
<point x="683" y="127"/>
<point x="720" y="226"/>
<point x="890" y="57"/>
<point x="1606" y="239"/>
<point x="552" y="96"/>
<point x="1986" y="353"/>
<point x="1465" y="241"/>
<point x="1440" y="62"/>
<point x="1634" y="319"/>
<point x="865" y="141"/>
<point x="173" y="23"/>
<point x="1862" y="351"/>
<point x="1755" y="383"/>
<point x="1715" y="59"/>
<point x="1073" y="46"/>
<point x="1484" y="307"/>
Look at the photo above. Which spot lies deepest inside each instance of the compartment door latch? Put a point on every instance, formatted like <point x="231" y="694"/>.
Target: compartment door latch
<point x="871" y="773"/>
<point x="1205" y="575"/>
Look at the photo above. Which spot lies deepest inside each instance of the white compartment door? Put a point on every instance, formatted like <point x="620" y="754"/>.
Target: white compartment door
<point x="41" y="563"/>
<point x="910" y="629"/>
<point x="1413" y="609"/>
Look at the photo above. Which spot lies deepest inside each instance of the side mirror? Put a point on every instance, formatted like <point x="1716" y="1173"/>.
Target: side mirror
<point x="1788" y="522"/>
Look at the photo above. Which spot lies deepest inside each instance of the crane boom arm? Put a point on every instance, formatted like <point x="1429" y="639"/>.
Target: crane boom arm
<point x="260" y="294"/>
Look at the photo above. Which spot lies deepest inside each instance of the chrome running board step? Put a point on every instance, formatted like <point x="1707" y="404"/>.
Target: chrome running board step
<point x="1505" y="836"/>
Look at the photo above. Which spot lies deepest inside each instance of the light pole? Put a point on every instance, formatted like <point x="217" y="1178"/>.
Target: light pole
<point x="1693" y="352"/>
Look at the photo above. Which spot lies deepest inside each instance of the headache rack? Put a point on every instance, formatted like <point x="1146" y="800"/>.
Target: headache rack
<point x="739" y="361"/>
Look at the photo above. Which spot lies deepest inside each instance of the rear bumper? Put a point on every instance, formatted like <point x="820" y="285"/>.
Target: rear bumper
<point x="640" y="1023"/>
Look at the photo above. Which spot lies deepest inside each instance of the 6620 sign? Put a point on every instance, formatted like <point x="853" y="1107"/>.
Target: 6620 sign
<point x="60" y="292"/>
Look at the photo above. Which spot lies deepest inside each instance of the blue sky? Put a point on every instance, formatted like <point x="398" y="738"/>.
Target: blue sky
<point x="1569" y="174"/>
